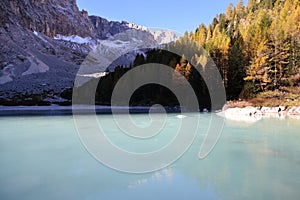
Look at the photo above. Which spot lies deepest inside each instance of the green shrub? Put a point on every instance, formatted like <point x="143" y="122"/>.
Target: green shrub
<point x="250" y="90"/>
<point x="270" y="94"/>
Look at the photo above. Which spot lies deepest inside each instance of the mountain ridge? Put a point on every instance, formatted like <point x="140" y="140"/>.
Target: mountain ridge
<point x="38" y="60"/>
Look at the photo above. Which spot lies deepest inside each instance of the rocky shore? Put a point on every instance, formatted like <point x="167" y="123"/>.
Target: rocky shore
<point x="252" y="114"/>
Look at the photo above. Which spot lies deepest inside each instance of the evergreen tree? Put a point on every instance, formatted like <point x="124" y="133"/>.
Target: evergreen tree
<point x="236" y="71"/>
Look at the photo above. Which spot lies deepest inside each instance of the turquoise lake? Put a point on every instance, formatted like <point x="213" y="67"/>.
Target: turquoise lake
<point x="42" y="157"/>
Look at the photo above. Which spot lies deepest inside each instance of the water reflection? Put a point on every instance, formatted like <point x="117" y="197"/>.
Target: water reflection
<point x="47" y="161"/>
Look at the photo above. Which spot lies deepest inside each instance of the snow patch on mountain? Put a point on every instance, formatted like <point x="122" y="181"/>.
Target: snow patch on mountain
<point x="161" y="36"/>
<point x="137" y="27"/>
<point x="78" y="40"/>
<point x="164" y="36"/>
<point x="74" y="38"/>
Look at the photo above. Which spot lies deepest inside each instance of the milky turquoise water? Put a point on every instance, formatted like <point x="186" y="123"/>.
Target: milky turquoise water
<point x="43" y="158"/>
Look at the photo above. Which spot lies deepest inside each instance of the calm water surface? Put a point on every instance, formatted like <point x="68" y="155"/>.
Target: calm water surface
<point x="43" y="158"/>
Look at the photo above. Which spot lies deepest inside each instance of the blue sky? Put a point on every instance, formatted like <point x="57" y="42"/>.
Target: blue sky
<point x="179" y="16"/>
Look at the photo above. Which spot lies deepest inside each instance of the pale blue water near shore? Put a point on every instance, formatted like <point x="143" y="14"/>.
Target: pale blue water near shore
<point x="41" y="157"/>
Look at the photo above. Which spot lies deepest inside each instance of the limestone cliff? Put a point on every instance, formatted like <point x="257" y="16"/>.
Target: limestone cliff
<point x="50" y="17"/>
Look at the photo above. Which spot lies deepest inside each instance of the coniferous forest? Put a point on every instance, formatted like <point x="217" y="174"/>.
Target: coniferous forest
<point x="255" y="48"/>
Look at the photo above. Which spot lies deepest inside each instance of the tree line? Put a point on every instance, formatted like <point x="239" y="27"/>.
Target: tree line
<point x="255" y="48"/>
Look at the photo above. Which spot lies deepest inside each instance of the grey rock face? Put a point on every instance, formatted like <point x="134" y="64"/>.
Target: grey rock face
<point x="50" y="17"/>
<point x="104" y="28"/>
<point x="35" y="68"/>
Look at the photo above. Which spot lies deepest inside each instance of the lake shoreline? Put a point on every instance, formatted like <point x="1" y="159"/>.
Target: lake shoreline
<point x="81" y="109"/>
<point x="236" y="113"/>
<point x="244" y="111"/>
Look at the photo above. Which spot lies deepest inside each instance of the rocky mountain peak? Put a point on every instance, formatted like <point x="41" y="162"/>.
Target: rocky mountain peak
<point x="43" y="42"/>
<point x="50" y="17"/>
<point x="104" y="28"/>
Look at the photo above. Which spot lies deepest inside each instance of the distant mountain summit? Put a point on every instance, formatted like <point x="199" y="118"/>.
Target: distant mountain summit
<point x="164" y="36"/>
<point x="59" y="17"/>
<point x="49" y="17"/>
<point x="43" y="42"/>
